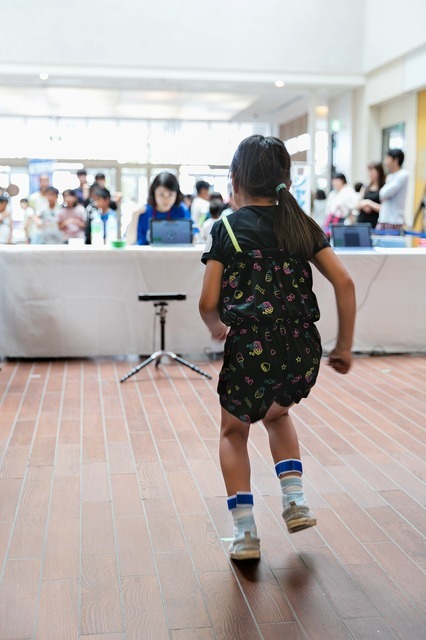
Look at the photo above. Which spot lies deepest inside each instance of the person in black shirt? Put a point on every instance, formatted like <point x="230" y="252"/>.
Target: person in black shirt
<point x="257" y="293"/>
<point x="369" y="205"/>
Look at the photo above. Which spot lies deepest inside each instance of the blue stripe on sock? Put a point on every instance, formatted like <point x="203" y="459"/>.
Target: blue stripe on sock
<point x="285" y="466"/>
<point x="232" y="502"/>
<point x="244" y="498"/>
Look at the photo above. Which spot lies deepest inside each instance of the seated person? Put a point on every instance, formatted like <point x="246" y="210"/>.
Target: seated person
<point x="165" y="202"/>
<point x="72" y="217"/>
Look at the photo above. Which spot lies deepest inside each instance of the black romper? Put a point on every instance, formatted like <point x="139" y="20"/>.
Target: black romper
<point x="273" y="349"/>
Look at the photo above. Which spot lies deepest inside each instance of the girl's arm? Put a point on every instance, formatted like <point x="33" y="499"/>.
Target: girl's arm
<point x="81" y="218"/>
<point x="209" y="300"/>
<point x="330" y="266"/>
<point x="132" y="229"/>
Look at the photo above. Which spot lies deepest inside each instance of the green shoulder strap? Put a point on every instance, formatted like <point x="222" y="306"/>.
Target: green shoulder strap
<point x="231" y="233"/>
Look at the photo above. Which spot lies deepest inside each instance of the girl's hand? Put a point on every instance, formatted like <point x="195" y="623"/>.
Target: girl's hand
<point x="220" y="332"/>
<point x="340" y="360"/>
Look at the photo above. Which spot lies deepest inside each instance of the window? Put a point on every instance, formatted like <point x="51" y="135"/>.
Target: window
<point x="393" y="138"/>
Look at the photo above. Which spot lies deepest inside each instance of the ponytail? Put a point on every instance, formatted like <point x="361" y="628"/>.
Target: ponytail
<point x="261" y="167"/>
<point x="296" y="231"/>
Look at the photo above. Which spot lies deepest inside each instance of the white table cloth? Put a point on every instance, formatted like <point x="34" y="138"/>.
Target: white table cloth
<point x="59" y="301"/>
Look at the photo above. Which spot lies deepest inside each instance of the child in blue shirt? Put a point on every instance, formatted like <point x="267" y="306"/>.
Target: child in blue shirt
<point x="102" y="200"/>
<point x="165" y="202"/>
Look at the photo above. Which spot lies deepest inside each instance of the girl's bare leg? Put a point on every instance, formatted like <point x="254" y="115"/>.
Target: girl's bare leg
<point x="233" y="454"/>
<point x="283" y="440"/>
<point x="284" y="445"/>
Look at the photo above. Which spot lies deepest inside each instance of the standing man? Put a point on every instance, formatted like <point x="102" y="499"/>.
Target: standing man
<point x="393" y="193"/>
<point x="201" y="204"/>
<point x="38" y="199"/>
<point x="82" y="190"/>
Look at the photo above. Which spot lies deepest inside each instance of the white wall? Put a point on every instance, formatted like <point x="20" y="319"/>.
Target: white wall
<point x="223" y="35"/>
<point x="392" y="29"/>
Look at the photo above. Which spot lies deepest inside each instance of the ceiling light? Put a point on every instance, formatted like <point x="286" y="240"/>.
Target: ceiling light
<point x="279" y="83"/>
<point x="44" y="76"/>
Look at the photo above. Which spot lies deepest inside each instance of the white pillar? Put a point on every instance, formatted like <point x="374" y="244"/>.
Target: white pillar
<point x="318" y="125"/>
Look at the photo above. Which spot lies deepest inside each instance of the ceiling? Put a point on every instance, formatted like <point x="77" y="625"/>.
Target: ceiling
<point x="151" y="99"/>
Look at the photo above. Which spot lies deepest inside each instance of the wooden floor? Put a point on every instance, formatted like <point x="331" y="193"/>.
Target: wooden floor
<point x="113" y="520"/>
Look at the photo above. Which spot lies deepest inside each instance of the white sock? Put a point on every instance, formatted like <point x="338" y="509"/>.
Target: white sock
<point x="241" y="508"/>
<point x="243" y="519"/>
<point x="292" y="490"/>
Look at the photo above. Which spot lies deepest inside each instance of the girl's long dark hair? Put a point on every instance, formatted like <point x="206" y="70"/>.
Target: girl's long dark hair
<point x="168" y="180"/>
<point x="259" y="165"/>
<point x="381" y="179"/>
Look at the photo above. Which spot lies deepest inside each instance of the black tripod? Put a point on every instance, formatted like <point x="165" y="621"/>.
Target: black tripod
<point x="157" y="355"/>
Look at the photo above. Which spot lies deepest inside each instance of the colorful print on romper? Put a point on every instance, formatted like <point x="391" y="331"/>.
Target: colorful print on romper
<point x="255" y="349"/>
<point x="272" y="352"/>
<point x="250" y="285"/>
<point x="286" y="376"/>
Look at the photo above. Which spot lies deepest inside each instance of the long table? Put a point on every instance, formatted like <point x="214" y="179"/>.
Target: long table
<point x="59" y="301"/>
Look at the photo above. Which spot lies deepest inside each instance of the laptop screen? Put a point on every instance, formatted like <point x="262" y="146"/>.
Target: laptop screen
<point x="171" y="232"/>
<point x="356" y="235"/>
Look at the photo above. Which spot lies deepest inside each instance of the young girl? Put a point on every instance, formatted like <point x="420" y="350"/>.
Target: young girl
<point x="257" y="292"/>
<point x="165" y="202"/>
<point x="72" y="218"/>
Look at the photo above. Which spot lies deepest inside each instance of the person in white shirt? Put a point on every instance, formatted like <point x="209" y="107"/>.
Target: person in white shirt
<point x="201" y="203"/>
<point x="340" y="202"/>
<point x="38" y="199"/>
<point x="5" y="221"/>
<point x="47" y="219"/>
<point x="393" y="193"/>
<point x="318" y="207"/>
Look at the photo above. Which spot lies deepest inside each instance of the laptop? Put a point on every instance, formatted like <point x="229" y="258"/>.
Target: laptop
<point x="355" y="236"/>
<point x="165" y="233"/>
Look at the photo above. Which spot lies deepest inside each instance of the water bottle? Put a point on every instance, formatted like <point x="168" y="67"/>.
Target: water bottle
<point x="97" y="230"/>
<point x="111" y="228"/>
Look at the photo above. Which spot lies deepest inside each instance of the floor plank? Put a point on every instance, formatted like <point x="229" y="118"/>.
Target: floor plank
<point x="113" y="516"/>
<point x="58" y="611"/>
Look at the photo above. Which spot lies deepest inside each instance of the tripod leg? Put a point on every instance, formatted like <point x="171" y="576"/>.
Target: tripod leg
<point x="139" y="367"/>
<point x="188" y="364"/>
